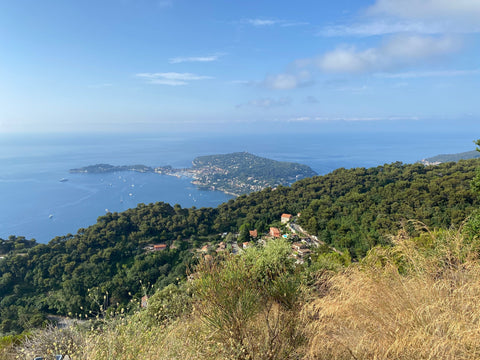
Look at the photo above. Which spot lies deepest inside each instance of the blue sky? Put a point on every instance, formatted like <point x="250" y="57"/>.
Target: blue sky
<point x="151" y="65"/>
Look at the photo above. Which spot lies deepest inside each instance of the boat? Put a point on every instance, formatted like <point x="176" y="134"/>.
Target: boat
<point x="63" y="180"/>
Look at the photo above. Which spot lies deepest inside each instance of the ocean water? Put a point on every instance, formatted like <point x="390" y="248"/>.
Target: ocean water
<point x="34" y="202"/>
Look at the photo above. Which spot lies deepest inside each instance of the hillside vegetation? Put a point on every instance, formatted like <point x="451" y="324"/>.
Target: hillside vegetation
<point x="106" y="266"/>
<point x="415" y="299"/>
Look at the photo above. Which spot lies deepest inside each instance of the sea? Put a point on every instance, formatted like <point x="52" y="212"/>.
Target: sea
<point x="40" y="199"/>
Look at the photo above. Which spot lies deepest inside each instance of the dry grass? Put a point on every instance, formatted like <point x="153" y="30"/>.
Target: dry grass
<point x="416" y="300"/>
<point x="47" y="343"/>
<point x="131" y="339"/>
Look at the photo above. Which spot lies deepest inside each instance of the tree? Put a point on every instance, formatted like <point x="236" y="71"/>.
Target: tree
<point x="244" y="235"/>
<point x="476" y="180"/>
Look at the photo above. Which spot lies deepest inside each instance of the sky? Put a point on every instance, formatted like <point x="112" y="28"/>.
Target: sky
<point x="153" y="65"/>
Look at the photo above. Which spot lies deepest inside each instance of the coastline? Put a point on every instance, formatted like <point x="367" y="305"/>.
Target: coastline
<point x="234" y="174"/>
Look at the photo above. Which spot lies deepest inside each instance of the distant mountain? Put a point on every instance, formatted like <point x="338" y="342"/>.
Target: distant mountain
<point x="435" y="160"/>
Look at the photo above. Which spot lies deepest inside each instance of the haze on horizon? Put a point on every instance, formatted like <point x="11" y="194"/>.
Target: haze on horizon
<point x="152" y="65"/>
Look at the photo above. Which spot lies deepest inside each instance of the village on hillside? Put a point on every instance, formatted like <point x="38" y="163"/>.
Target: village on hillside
<point x="301" y="241"/>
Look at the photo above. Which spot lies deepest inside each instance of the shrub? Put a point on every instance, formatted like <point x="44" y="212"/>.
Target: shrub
<point x="252" y="303"/>
<point x="168" y="304"/>
<point x="51" y="341"/>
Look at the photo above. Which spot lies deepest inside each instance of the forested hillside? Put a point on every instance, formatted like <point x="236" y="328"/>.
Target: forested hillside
<point x="107" y="264"/>
<point x="358" y="208"/>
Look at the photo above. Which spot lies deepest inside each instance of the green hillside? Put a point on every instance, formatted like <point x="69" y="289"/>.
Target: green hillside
<point x="109" y="263"/>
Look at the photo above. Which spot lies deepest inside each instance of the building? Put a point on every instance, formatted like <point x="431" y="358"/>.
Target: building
<point x="298" y="246"/>
<point x="285" y="218"/>
<point x="275" y="232"/>
<point x="253" y="233"/>
<point x="159" y="247"/>
<point x="303" y="252"/>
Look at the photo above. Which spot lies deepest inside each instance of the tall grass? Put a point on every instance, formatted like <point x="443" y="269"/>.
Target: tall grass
<point x="416" y="300"/>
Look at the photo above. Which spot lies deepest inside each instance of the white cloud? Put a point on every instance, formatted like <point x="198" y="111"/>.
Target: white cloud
<point x="271" y="22"/>
<point x="282" y="81"/>
<point x="171" y="78"/>
<point x="266" y="103"/>
<point x="350" y="119"/>
<point x="396" y="52"/>
<point x="387" y="118"/>
<point x="294" y="23"/>
<point x="300" y="119"/>
<point x="423" y="74"/>
<point x="382" y="27"/>
<point x="210" y="58"/>
<point x="287" y="81"/>
<point x="413" y="16"/>
<point x="427" y="9"/>
<point x="262" y="22"/>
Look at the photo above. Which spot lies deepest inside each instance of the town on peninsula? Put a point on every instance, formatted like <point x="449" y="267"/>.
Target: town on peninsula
<point x="235" y="173"/>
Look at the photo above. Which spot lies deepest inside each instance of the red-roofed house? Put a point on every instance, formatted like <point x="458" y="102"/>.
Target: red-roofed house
<point x="159" y="247"/>
<point x="285" y="218"/>
<point x="275" y="232"/>
<point x="253" y="233"/>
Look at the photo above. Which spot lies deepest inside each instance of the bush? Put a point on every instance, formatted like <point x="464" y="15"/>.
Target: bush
<point x="51" y="341"/>
<point x="252" y="303"/>
<point x="168" y="304"/>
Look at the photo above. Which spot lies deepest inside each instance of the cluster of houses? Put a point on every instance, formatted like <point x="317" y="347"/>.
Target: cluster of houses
<point x="300" y="247"/>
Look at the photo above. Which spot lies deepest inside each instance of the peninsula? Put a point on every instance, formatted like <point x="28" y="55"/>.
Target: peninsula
<point x="107" y="168"/>
<point x="435" y="160"/>
<point x="235" y="174"/>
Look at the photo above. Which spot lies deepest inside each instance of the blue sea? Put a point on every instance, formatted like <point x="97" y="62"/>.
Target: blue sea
<point x="34" y="202"/>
